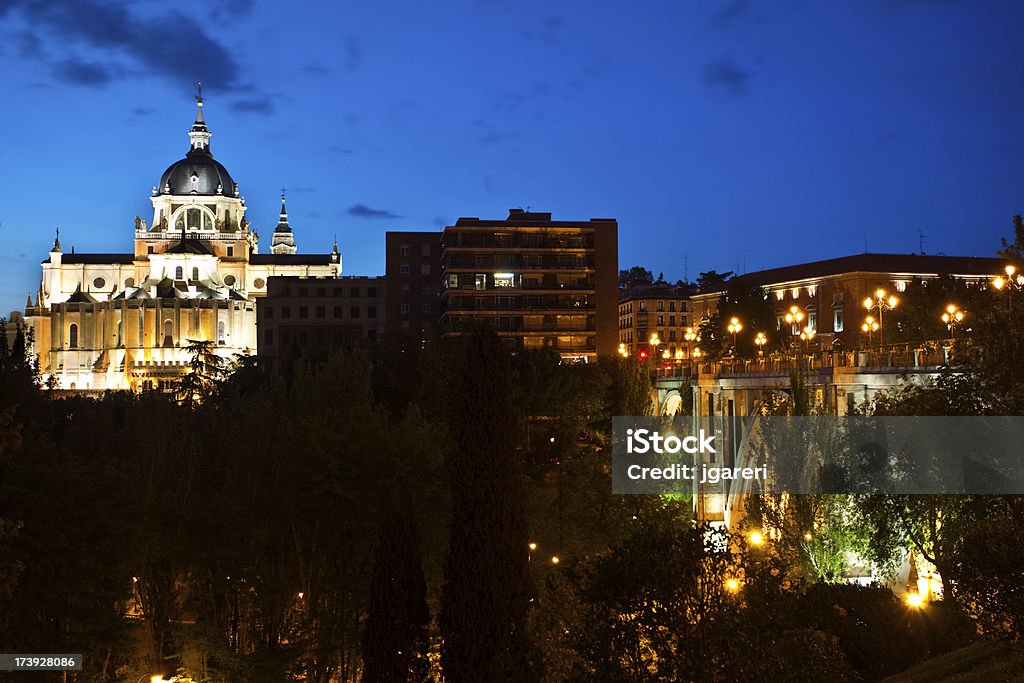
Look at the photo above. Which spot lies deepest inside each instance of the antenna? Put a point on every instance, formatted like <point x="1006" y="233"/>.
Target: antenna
<point x="686" y="267"/>
<point x="920" y="240"/>
<point x="865" y="241"/>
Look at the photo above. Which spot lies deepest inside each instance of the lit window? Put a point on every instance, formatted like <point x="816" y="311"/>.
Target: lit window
<point x="481" y="281"/>
<point x="504" y="280"/>
<point x="837" y="320"/>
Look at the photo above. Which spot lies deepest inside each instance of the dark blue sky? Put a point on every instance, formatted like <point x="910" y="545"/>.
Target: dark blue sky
<point x="758" y="132"/>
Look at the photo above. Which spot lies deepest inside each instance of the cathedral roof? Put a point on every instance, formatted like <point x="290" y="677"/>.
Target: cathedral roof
<point x="125" y="259"/>
<point x="191" y="246"/>
<point x="291" y="259"/>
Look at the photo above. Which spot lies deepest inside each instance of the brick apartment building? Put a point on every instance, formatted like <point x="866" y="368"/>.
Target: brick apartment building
<point x="541" y="283"/>
<point x="413" y="276"/>
<point x="308" y="316"/>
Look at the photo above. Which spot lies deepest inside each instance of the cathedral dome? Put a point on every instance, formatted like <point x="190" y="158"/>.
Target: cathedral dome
<point x="197" y="173"/>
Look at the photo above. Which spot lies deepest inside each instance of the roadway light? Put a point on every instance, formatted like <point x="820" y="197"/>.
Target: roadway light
<point x="915" y="600"/>
<point x="807" y="536"/>
<point x="734" y="328"/>
<point x="756" y="538"/>
<point x="952" y="317"/>
<point x="733" y="585"/>
<point x="760" y="340"/>
<point x="882" y="303"/>
<point x="555" y="560"/>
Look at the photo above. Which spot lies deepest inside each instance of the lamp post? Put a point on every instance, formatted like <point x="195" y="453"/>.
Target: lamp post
<point x="760" y="340"/>
<point x="794" y="317"/>
<point x="622" y="351"/>
<point x="734" y="328"/>
<point x="883" y="303"/>
<point x="952" y="317"/>
<point x="870" y="325"/>
<point x="1010" y="283"/>
<point x="807" y="334"/>
<point x="654" y="341"/>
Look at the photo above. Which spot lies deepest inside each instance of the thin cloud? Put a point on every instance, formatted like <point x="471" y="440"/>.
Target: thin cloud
<point x="191" y="56"/>
<point x="728" y="13"/>
<point x="363" y="211"/>
<point x="82" y="73"/>
<point x="723" y="74"/>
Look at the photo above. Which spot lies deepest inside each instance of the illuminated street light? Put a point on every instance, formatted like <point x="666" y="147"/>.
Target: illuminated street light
<point x="654" y="341"/>
<point x="533" y="546"/>
<point x="915" y="600"/>
<point x="756" y="538"/>
<point x="870" y="325"/>
<point x="807" y="536"/>
<point x="794" y="317"/>
<point x="1010" y="283"/>
<point x="555" y="560"/>
<point x="734" y="328"/>
<point x="622" y="351"/>
<point x="806" y="335"/>
<point x="883" y="303"/>
<point x="733" y="585"/>
<point x="760" y="340"/>
<point x="952" y="317"/>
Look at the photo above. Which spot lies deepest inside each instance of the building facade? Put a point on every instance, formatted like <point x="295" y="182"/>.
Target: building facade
<point x="122" y="321"/>
<point x="660" y="309"/>
<point x="413" y="272"/>
<point x="310" y="316"/>
<point x="829" y="294"/>
<point x="541" y="283"/>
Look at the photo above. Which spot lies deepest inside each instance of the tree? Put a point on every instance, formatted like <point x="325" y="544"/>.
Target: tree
<point x="712" y="280"/>
<point x="486" y="583"/>
<point x="395" y="636"/>
<point x="1014" y="251"/>
<point x="206" y="369"/>
<point x="750" y="304"/>
<point x="637" y="275"/>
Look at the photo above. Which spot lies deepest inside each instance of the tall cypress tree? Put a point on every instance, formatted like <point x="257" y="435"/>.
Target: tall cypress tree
<point x="395" y="639"/>
<point x="486" y="581"/>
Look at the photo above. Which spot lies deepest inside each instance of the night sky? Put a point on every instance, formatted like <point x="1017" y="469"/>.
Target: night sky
<point x="727" y="132"/>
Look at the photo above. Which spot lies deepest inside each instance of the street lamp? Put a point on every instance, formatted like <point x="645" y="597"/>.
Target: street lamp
<point x="807" y="334"/>
<point x="870" y="325"/>
<point x="622" y="351"/>
<point x="734" y="327"/>
<point x="952" y="317"/>
<point x="794" y="317"/>
<point x="1011" y="283"/>
<point x="654" y="341"/>
<point x="760" y="340"/>
<point x="882" y="303"/>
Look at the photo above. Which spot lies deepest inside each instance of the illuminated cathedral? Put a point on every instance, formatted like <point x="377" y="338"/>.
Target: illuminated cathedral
<point x="122" y="321"/>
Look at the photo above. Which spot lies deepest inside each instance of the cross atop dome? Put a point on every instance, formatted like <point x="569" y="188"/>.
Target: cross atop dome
<point x="200" y="134"/>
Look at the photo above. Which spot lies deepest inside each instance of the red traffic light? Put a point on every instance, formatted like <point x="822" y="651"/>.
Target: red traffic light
<point x="642" y="353"/>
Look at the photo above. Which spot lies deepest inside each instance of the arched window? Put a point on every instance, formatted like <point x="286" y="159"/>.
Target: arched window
<point x="73" y="336"/>
<point x="120" y="333"/>
<point x="220" y="333"/>
<point x="179" y="274"/>
<point x="168" y="333"/>
<point x="193" y="218"/>
<point x="195" y="273"/>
